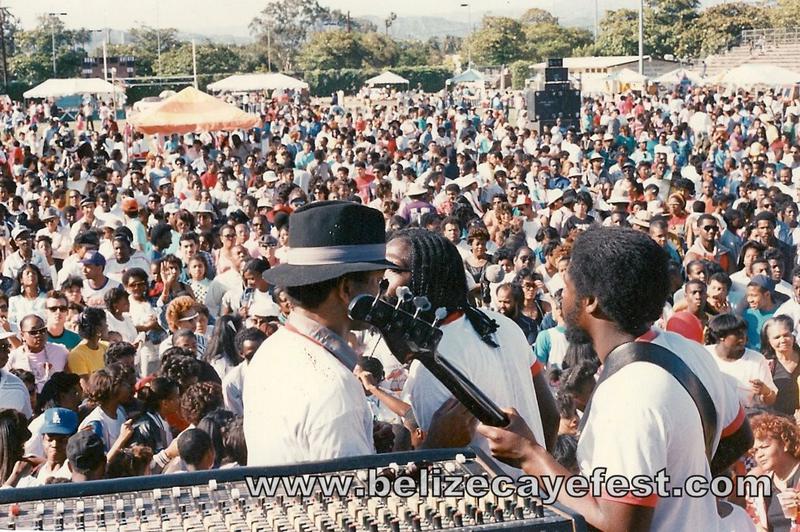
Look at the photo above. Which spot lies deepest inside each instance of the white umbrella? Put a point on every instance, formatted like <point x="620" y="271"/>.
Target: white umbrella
<point x="677" y="76"/>
<point x="387" y="78"/>
<point x="468" y="76"/>
<point x="257" y="82"/>
<point x="626" y="75"/>
<point x="752" y="74"/>
<point x="57" y="88"/>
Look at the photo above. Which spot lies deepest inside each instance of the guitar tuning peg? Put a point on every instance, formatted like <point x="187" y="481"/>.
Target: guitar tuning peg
<point x="404" y="295"/>
<point x="422" y="304"/>
<point x="439" y="314"/>
<point x="381" y="289"/>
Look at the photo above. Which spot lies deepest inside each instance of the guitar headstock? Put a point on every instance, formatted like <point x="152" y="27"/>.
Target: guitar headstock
<point x="406" y="335"/>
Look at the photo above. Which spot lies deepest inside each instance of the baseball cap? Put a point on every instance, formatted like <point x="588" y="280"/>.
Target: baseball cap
<point x="18" y="231"/>
<point x="48" y="214"/>
<point x="59" y="421"/>
<point x="270" y="176"/>
<point x="85" y="451"/>
<point x="88" y="200"/>
<point x="264" y="308"/>
<point x="93" y="258"/>
<point x="205" y="207"/>
<point x="130" y="205"/>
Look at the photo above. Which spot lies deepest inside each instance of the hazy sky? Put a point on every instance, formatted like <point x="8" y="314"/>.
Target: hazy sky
<point x="221" y="16"/>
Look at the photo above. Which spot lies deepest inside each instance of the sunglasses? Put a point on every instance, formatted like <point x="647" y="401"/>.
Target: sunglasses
<point x="36" y="332"/>
<point x="711" y="228"/>
<point x="60" y="308"/>
<point x="229" y="236"/>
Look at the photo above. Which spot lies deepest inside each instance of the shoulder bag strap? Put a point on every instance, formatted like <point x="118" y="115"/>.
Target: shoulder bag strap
<point x="672" y="364"/>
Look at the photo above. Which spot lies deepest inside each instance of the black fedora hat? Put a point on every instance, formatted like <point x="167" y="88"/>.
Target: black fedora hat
<point x="328" y="239"/>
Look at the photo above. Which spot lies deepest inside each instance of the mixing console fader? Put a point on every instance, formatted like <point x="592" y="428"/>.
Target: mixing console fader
<point x="225" y="499"/>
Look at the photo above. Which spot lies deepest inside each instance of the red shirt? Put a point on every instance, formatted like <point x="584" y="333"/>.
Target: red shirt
<point x="209" y="180"/>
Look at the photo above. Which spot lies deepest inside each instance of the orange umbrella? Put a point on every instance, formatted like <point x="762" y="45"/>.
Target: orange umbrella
<point x="192" y="111"/>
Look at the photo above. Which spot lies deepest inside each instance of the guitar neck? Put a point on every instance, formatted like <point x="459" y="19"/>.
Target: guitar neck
<point x="479" y="405"/>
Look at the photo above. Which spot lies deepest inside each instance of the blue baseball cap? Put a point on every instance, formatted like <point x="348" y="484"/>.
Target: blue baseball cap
<point x="60" y="421"/>
<point x="94" y="258"/>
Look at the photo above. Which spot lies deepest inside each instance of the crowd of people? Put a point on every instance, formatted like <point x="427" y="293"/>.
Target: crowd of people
<point x="144" y="279"/>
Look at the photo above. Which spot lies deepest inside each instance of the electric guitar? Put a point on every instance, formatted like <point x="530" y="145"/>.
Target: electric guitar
<point x="411" y="338"/>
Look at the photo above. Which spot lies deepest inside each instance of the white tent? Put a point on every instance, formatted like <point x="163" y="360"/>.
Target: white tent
<point x="677" y="76"/>
<point x="630" y="77"/>
<point x="752" y="74"/>
<point x="257" y="82"/>
<point x="468" y="76"/>
<point x="57" y="88"/>
<point x="387" y="78"/>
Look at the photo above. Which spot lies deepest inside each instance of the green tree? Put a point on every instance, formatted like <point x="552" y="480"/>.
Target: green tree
<point x="417" y="53"/>
<point x="668" y="26"/>
<point x="381" y="50"/>
<point x="784" y="14"/>
<point x="720" y="25"/>
<point x="538" y="16"/>
<point x="500" y="41"/>
<point x="551" y="40"/>
<point x="145" y="45"/>
<point x="286" y="25"/>
<point x="211" y="59"/>
<point x="333" y="49"/>
<point x="616" y="36"/>
<point x="32" y="61"/>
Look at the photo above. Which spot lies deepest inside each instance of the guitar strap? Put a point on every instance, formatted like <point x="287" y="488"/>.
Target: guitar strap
<point x="672" y="364"/>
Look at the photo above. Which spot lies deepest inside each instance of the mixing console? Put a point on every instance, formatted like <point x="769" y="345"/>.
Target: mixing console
<point x="221" y="500"/>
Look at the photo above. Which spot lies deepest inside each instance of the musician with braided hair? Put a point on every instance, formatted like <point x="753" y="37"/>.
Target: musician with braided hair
<point x="490" y="349"/>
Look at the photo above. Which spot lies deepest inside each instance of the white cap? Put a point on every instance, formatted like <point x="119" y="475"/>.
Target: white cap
<point x="264" y="308"/>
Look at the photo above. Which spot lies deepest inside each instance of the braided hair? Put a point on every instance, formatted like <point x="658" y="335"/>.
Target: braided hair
<point x="437" y="272"/>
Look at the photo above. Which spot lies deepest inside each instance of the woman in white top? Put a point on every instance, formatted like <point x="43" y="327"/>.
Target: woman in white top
<point x="108" y="389"/>
<point x="220" y="352"/>
<point x="117" y="314"/>
<point x="31" y="296"/>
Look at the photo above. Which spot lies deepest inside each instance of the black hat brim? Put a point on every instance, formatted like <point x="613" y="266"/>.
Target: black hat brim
<point x="288" y="275"/>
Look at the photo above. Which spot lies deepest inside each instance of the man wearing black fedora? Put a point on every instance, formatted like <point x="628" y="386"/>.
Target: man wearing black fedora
<point x="302" y="401"/>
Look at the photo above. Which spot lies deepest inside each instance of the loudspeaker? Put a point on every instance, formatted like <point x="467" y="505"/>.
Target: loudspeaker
<point x="556" y="75"/>
<point x="552" y="104"/>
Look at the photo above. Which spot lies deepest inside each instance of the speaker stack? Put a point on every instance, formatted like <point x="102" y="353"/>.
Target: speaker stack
<point x="557" y="100"/>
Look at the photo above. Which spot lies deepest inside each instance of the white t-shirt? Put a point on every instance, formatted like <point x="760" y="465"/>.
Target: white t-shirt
<point x="301" y="404"/>
<point x="752" y="365"/>
<point x="111" y="427"/>
<point x="124" y="327"/>
<point x="502" y="373"/>
<point x="94" y="296"/>
<point x="14" y="394"/>
<point x="642" y="420"/>
<point x="233" y="387"/>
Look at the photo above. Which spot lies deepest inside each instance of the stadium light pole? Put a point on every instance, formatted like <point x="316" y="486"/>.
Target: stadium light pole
<point x="641" y="37"/>
<point x="53" y="17"/>
<point x="469" y="24"/>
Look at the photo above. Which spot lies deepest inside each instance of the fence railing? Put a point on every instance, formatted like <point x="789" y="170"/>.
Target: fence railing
<point x="770" y="37"/>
